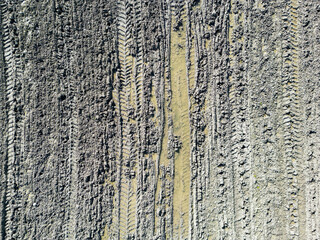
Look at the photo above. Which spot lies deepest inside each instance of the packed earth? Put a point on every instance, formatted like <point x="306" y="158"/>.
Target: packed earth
<point x="160" y="119"/>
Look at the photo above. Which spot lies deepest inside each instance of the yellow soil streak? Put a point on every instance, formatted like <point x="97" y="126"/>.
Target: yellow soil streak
<point x="180" y="110"/>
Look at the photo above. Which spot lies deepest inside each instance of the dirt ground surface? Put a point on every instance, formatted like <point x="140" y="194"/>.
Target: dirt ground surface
<point x="160" y="119"/>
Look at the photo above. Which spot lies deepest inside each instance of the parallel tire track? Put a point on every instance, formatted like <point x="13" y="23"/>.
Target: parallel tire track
<point x="291" y="120"/>
<point x="309" y="72"/>
<point x="127" y="101"/>
<point x="3" y="142"/>
<point x="13" y="72"/>
<point x="239" y="120"/>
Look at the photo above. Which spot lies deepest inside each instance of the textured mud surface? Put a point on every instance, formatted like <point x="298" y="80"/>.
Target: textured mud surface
<point x="162" y="119"/>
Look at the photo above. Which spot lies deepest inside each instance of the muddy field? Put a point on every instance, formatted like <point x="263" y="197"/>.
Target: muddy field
<point x="160" y="119"/>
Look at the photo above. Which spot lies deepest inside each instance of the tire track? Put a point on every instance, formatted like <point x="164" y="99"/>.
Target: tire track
<point x="13" y="73"/>
<point x="309" y="71"/>
<point x="145" y="76"/>
<point x="240" y="145"/>
<point x="292" y="121"/>
<point x="217" y="22"/>
<point x="67" y="126"/>
<point x="160" y="132"/>
<point x="127" y="102"/>
<point x="267" y="164"/>
<point x="222" y="166"/>
<point x="73" y="150"/>
<point x="198" y="68"/>
<point x="3" y="127"/>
